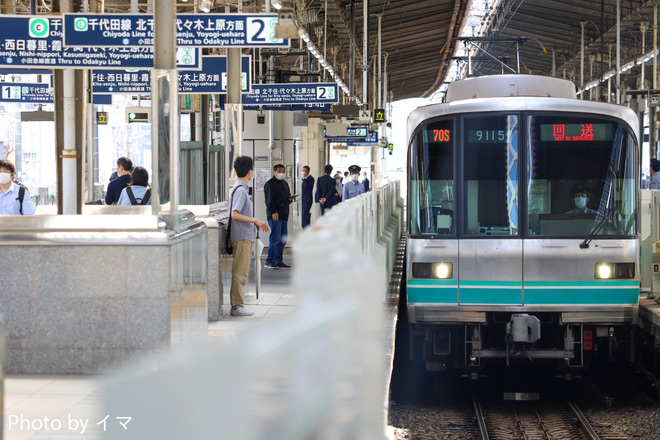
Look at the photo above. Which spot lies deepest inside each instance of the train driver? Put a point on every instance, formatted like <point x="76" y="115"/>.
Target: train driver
<point x="580" y="196"/>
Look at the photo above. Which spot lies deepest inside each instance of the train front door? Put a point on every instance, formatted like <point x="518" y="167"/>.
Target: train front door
<point x="490" y="252"/>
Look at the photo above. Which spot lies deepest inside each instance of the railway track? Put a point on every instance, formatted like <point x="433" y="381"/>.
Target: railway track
<point x="539" y="420"/>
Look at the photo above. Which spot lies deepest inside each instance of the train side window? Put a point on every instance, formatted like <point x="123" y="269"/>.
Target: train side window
<point x="431" y="190"/>
<point x="490" y="170"/>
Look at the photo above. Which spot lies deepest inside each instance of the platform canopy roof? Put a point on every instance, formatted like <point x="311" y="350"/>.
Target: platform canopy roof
<point x="419" y="37"/>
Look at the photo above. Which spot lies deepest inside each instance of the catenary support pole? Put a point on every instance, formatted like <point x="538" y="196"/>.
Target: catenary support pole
<point x="165" y="114"/>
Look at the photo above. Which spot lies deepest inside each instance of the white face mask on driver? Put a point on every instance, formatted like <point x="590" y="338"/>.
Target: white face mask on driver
<point x="355" y="177"/>
<point x="5" y="178"/>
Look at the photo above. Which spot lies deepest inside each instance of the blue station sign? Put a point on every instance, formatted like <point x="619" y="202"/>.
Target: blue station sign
<point x="290" y="107"/>
<point x="357" y="132"/>
<point x="207" y="30"/>
<point x="367" y="140"/>
<point x="291" y="93"/>
<point x="211" y="79"/>
<point x="26" y="93"/>
<point x="38" y="42"/>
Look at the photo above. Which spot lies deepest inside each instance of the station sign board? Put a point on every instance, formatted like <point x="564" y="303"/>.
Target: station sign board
<point x="26" y="93"/>
<point x="370" y="139"/>
<point x="192" y="30"/>
<point x="291" y="93"/>
<point x="38" y="42"/>
<point x="211" y="79"/>
<point x="291" y="107"/>
<point x="357" y="131"/>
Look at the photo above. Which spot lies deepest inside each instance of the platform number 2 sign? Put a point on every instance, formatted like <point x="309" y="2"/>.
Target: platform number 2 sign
<point x="11" y="92"/>
<point x="325" y="93"/>
<point x="261" y="30"/>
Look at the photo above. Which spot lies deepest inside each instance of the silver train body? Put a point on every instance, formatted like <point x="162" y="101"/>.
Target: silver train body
<point x="522" y="220"/>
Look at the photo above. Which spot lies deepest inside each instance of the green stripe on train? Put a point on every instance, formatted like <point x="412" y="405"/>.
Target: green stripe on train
<point x="573" y="295"/>
<point x="433" y="282"/>
<point x="536" y="292"/>
<point x="484" y="295"/>
<point x="601" y="283"/>
<point x="448" y="295"/>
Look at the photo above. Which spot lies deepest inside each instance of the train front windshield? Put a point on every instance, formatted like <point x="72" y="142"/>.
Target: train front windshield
<point x="563" y="175"/>
<point x="581" y="171"/>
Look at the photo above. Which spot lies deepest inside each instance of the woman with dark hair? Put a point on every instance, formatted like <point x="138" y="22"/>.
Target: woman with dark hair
<point x="137" y="192"/>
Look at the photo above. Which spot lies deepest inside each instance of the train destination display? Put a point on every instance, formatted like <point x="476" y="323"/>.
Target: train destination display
<point x="583" y="132"/>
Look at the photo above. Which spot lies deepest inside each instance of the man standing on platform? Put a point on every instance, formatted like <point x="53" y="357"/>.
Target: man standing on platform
<point x="365" y="182"/>
<point x="278" y="197"/>
<point x="353" y="188"/>
<point x="14" y="197"/>
<point x="124" y="167"/>
<point x="326" y="190"/>
<point x="307" y="199"/>
<point x="242" y="234"/>
<point x="655" y="176"/>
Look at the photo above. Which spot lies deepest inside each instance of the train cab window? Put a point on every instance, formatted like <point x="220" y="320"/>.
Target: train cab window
<point x="431" y="191"/>
<point x="581" y="176"/>
<point x="490" y="173"/>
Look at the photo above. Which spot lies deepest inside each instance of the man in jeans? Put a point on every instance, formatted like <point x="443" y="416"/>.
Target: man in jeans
<point x="278" y="197"/>
<point x="242" y="233"/>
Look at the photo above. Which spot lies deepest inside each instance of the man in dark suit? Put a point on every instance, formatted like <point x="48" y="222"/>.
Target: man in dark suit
<point x="365" y="182"/>
<point x="307" y="199"/>
<point x="326" y="191"/>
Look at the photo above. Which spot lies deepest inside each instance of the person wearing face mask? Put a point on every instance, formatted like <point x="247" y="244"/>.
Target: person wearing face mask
<point x="326" y="190"/>
<point x="242" y="234"/>
<point x="353" y="188"/>
<point x="339" y="186"/>
<point x="10" y="192"/>
<point x="278" y="197"/>
<point x="115" y="187"/>
<point x="580" y="196"/>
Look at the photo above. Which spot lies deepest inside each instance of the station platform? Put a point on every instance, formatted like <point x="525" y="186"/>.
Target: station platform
<point x="71" y="406"/>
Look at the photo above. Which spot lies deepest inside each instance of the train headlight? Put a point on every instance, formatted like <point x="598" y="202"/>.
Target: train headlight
<point x="605" y="271"/>
<point x="433" y="270"/>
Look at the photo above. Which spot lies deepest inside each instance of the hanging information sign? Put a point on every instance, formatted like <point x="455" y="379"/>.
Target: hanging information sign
<point x="292" y="93"/>
<point x="26" y="92"/>
<point x="210" y="80"/>
<point x="192" y="30"/>
<point x="38" y="42"/>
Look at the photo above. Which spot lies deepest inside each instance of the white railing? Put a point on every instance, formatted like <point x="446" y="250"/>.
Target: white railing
<point x="319" y="372"/>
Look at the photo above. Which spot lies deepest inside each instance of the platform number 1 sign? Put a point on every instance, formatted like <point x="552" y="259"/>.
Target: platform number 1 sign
<point x="11" y="92"/>
<point x="325" y="93"/>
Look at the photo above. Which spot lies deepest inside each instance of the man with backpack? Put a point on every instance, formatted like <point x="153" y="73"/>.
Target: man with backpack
<point x="14" y="197"/>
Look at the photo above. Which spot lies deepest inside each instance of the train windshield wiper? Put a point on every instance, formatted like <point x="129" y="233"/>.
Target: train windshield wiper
<point x="595" y="230"/>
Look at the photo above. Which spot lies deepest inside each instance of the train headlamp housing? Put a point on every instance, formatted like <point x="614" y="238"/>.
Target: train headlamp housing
<point x="614" y="271"/>
<point x="433" y="270"/>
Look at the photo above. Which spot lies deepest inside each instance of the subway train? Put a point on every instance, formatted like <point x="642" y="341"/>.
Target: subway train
<point x="523" y="231"/>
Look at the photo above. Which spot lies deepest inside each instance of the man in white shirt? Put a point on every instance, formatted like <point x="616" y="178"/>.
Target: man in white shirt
<point x="14" y="198"/>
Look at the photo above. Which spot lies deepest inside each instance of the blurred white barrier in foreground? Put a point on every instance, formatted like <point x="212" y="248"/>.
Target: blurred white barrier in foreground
<point x="318" y="373"/>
